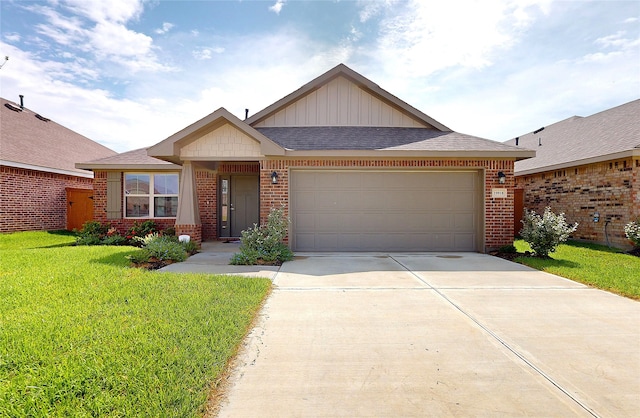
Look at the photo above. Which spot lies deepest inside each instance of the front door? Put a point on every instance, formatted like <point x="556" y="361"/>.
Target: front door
<point x="239" y="204"/>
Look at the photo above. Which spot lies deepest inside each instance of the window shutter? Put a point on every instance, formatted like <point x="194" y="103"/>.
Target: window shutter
<point x="114" y="195"/>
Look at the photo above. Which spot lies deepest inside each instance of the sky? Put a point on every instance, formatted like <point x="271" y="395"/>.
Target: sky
<point x="130" y="73"/>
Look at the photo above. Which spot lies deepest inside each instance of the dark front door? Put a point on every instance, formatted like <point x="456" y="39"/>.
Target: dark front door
<point x="243" y="208"/>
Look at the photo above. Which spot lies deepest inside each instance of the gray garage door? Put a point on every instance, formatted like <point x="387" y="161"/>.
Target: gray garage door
<point x="348" y="210"/>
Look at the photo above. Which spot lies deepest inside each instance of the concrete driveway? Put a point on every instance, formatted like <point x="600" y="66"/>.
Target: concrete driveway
<point x="416" y="335"/>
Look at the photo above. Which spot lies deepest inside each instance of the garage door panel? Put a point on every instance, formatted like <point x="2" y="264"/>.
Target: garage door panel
<point x="385" y="210"/>
<point x="304" y="222"/>
<point x="463" y="221"/>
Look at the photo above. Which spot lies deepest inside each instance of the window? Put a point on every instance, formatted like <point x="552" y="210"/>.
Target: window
<point x="151" y="195"/>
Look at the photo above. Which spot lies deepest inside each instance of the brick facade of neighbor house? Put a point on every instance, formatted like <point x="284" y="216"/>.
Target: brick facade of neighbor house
<point x="609" y="188"/>
<point x="35" y="200"/>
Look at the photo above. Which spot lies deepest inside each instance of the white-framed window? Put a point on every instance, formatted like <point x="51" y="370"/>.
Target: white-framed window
<point x="151" y="195"/>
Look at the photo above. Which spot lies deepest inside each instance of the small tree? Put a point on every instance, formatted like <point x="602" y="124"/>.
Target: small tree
<point x="632" y="231"/>
<point x="544" y="233"/>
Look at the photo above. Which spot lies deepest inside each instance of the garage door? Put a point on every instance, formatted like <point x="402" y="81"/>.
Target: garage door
<point x="348" y="210"/>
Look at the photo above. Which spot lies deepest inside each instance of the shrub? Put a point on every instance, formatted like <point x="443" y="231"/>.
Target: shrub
<point x="164" y="248"/>
<point x="141" y="230"/>
<point x="265" y="242"/>
<point x="544" y="233"/>
<point x="190" y="247"/>
<point x="509" y="249"/>
<point x="632" y="231"/>
<point x="92" y="233"/>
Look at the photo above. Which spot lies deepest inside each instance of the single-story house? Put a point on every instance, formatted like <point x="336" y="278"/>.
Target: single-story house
<point x="40" y="186"/>
<point x="354" y="167"/>
<point x="588" y="168"/>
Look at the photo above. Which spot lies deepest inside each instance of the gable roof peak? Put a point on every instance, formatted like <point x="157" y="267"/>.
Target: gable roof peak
<point x="359" y="80"/>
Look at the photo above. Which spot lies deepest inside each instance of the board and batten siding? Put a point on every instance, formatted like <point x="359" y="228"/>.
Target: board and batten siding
<point x="225" y="141"/>
<point x="340" y="103"/>
<point x="114" y="195"/>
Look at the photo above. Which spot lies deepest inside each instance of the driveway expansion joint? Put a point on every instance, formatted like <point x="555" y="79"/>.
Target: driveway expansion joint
<point x="505" y="344"/>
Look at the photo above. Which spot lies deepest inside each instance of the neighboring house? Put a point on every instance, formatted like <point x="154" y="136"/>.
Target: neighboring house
<point x="40" y="187"/>
<point x="588" y="168"/>
<point x="355" y="168"/>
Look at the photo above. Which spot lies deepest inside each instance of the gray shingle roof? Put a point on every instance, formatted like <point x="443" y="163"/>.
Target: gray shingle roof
<point x="578" y="140"/>
<point x="28" y="139"/>
<point x="137" y="159"/>
<point x="378" y="138"/>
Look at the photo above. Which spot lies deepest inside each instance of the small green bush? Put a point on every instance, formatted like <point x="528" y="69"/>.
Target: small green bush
<point x="508" y="249"/>
<point x="92" y="233"/>
<point x="632" y="232"/>
<point x="544" y="233"/>
<point x="264" y="243"/>
<point x="190" y="247"/>
<point x="165" y="247"/>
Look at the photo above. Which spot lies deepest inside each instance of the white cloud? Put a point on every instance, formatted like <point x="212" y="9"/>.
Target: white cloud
<point x="12" y="37"/>
<point x="277" y="7"/>
<point x="101" y="31"/>
<point x="117" y="11"/>
<point x="166" y="27"/>
<point x="206" y="53"/>
<point x="424" y="37"/>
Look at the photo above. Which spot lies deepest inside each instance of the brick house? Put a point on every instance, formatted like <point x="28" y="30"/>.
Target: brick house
<point x="354" y="167"/>
<point x="40" y="187"/>
<point x="588" y="168"/>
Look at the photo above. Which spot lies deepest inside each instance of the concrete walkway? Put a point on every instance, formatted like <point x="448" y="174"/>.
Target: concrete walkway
<point x="415" y="335"/>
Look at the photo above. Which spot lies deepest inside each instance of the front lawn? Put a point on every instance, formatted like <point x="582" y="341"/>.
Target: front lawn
<point x="83" y="334"/>
<point x="595" y="265"/>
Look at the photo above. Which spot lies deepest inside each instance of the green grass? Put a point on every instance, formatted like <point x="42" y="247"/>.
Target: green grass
<point x="595" y="265"/>
<point x="82" y="334"/>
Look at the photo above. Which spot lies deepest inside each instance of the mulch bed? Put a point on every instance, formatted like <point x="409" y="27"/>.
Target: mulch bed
<point x="510" y="256"/>
<point x="635" y="251"/>
<point x="152" y="264"/>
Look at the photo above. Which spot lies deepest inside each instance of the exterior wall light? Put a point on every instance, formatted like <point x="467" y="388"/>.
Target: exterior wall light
<point x="502" y="178"/>
<point x="274" y="178"/>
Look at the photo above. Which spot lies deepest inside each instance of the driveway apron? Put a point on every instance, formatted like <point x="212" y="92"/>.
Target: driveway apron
<point x="415" y="335"/>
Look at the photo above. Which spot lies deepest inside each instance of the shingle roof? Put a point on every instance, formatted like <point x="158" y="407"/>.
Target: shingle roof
<point x="378" y="138"/>
<point x="581" y="140"/>
<point x="135" y="159"/>
<point x="28" y="139"/>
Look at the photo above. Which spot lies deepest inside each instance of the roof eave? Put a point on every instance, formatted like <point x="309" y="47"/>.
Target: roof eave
<point x="510" y="155"/>
<point x="120" y="167"/>
<point x="599" y="159"/>
<point x="86" y="174"/>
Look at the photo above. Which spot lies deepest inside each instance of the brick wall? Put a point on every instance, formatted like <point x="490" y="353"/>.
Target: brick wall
<point x="32" y="200"/>
<point x="498" y="211"/>
<point x="609" y="188"/>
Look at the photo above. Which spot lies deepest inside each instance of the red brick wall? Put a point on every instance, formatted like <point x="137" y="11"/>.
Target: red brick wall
<point x="32" y="200"/>
<point x="207" y="189"/>
<point x="498" y="211"/>
<point x="610" y="188"/>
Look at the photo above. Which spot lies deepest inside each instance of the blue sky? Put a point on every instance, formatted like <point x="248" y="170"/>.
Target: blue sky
<point x="129" y="73"/>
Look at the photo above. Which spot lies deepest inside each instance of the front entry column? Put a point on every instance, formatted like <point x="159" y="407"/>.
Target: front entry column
<point x="188" y="217"/>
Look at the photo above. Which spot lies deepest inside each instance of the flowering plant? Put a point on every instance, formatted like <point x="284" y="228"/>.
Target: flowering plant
<point x="544" y="233"/>
<point x="632" y="231"/>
